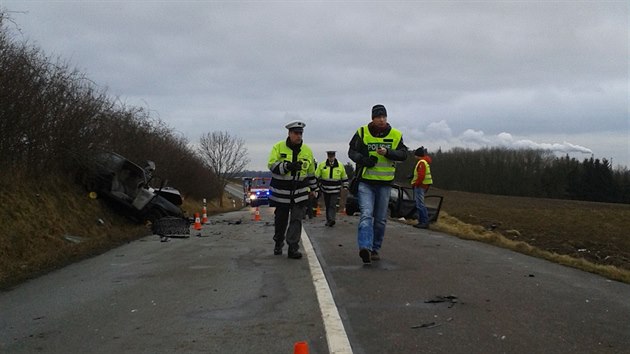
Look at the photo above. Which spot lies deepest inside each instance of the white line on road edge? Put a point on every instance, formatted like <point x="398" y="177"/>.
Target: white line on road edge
<point x="336" y="336"/>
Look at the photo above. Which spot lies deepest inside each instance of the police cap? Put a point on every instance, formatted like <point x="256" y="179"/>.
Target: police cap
<point x="295" y="125"/>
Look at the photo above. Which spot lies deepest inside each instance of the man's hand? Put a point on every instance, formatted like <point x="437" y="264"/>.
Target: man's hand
<point x="369" y="161"/>
<point x="293" y="166"/>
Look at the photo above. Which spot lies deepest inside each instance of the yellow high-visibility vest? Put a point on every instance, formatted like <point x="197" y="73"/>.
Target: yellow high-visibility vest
<point x="427" y="175"/>
<point x="385" y="169"/>
<point x="286" y="185"/>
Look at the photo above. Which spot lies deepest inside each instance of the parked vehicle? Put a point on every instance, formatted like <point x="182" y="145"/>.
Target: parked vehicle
<point x="126" y="186"/>
<point x="401" y="203"/>
<point x="258" y="191"/>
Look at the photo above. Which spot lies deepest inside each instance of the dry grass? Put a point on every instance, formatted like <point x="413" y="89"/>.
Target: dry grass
<point x="584" y="235"/>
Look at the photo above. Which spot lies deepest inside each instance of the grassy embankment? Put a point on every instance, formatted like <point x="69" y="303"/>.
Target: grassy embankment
<point x="49" y="224"/>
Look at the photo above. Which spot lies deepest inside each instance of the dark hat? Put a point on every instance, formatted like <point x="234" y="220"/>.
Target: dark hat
<point x="379" y="110"/>
<point x="420" y="151"/>
<point x="331" y="153"/>
<point x="295" y="126"/>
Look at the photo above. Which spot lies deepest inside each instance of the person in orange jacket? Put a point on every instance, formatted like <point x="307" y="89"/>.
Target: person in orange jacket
<point x="421" y="182"/>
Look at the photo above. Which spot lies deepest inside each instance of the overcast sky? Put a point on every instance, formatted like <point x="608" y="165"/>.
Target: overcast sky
<point x="450" y="73"/>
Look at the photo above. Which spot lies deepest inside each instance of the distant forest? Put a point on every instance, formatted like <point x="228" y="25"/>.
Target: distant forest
<point x="527" y="173"/>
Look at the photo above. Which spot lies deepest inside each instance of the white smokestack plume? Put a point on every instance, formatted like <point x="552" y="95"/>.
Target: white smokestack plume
<point x="506" y="140"/>
<point x="440" y="134"/>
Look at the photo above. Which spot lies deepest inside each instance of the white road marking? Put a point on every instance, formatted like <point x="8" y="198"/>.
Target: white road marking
<point x="338" y="342"/>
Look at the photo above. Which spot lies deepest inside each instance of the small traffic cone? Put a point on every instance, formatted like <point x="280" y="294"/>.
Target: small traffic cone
<point x="197" y="222"/>
<point x="300" y="348"/>
<point x="257" y="214"/>
<point x="318" y="211"/>
<point x="204" y="215"/>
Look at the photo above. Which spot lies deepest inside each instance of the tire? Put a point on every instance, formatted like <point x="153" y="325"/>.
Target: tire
<point x="155" y="214"/>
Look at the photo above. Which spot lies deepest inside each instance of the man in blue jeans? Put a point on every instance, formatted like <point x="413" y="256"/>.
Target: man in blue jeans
<point x="374" y="148"/>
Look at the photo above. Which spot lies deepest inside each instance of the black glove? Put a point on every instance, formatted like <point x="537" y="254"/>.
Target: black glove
<point x="369" y="161"/>
<point x="293" y="166"/>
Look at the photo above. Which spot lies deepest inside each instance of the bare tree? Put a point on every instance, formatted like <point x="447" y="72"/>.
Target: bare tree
<point x="225" y="155"/>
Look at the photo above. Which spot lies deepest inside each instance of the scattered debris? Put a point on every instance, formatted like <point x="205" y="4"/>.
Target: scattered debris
<point x="171" y="227"/>
<point x="100" y="221"/>
<point x="427" y="325"/>
<point x="452" y="299"/>
<point x="73" y="239"/>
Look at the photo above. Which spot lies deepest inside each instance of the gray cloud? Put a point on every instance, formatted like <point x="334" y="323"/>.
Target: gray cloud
<point x="450" y="73"/>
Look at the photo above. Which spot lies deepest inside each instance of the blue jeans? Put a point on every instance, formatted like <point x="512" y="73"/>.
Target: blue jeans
<point x="373" y="203"/>
<point x="423" y="214"/>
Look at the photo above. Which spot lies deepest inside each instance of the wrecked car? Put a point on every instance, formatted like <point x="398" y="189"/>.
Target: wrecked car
<point x="401" y="203"/>
<point x="126" y="186"/>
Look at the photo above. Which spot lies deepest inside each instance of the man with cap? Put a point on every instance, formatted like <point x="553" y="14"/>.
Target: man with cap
<point x="375" y="148"/>
<point x="292" y="181"/>
<point x="421" y="182"/>
<point x="332" y="177"/>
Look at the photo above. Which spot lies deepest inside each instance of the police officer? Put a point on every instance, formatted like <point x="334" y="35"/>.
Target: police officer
<point x="332" y="177"/>
<point x="292" y="181"/>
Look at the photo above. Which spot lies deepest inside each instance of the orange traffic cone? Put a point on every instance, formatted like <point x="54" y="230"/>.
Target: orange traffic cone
<point x="318" y="211"/>
<point x="300" y="348"/>
<point x="204" y="215"/>
<point x="257" y="214"/>
<point x="197" y="222"/>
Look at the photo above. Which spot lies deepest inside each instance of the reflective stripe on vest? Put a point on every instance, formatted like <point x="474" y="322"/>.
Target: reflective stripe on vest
<point x="331" y="178"/>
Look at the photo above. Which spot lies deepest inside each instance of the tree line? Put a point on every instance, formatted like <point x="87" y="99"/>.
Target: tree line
<point x="524" y="172"/>
<point x="52" y="117"/>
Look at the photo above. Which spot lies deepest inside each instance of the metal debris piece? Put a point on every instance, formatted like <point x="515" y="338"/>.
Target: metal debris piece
<point x="452" y="299"/>
<point x="73" y="239"/>
<point x="171" y="226"/>
<point x="427" y="325"/>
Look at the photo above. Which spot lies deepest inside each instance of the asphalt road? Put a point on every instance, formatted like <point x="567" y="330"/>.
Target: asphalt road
<point x="225" y="292"/>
